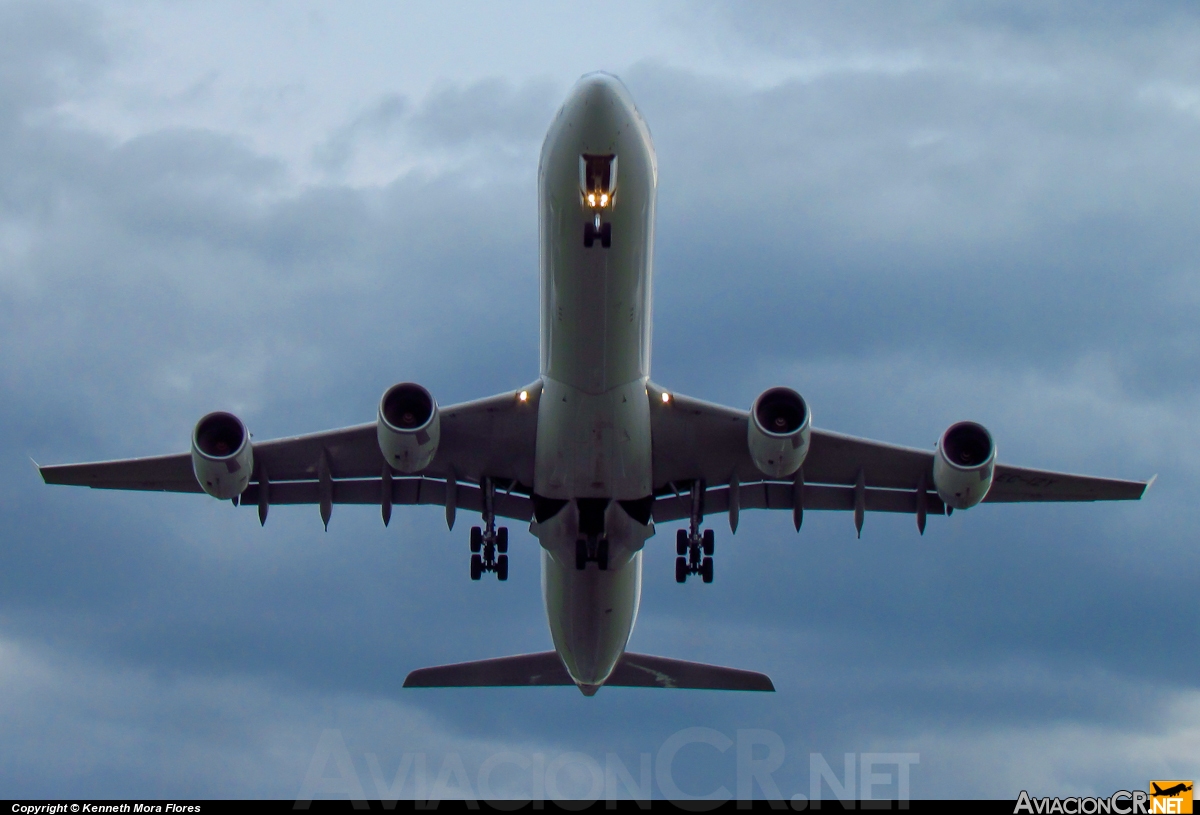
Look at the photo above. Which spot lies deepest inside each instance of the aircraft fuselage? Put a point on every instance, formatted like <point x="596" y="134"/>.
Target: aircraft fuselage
<point x="593" y="437"/>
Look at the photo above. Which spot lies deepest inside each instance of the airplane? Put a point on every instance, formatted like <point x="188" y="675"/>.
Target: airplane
<point x="1170" y="792"/>
<point x="593" y="454"/>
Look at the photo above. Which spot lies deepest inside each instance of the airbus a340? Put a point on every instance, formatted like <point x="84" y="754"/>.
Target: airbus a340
<point x="593" y="454"/>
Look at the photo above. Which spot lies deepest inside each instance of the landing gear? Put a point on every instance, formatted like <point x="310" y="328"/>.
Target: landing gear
<point x="694" y="547"/>
<point x="592" y="231"/>
<point x="488" y="549"/>
<point x="693" y="563"/>
<point x="591" y="551"/>
<point x="489" y="544"/>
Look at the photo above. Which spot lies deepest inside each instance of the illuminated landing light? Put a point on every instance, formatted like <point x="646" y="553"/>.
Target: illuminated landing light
<point x="591" y="199"/>
<point x="666" y="398"/>
<point x="523" y="396"/>
<point x="603" y="199"/>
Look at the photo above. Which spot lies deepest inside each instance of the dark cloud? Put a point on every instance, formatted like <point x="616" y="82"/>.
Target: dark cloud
<point x="46" y="50"/>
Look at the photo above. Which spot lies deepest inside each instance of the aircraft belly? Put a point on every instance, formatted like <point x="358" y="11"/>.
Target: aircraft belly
<point x="593" y="446"/>
<point x="591" y="613"/>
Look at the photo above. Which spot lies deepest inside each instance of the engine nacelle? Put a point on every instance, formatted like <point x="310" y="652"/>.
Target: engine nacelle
<point x="778" y="432"/>
<point x="963" y="466"/>
<point x="222" y="456"/>
<point x="409" y="427"/>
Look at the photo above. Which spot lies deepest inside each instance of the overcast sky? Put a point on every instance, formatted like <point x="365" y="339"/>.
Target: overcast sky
<point x="912" y="214"/>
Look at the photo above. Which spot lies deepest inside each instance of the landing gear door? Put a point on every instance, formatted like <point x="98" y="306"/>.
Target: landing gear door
<point x="597" y="180"/>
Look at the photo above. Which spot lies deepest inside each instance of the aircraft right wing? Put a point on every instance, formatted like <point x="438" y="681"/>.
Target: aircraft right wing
<point x="490" y="439"/>
<point x="696" y="441"/>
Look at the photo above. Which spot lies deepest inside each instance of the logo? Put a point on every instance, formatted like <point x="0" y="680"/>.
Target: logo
<point x="1170" y="797"/>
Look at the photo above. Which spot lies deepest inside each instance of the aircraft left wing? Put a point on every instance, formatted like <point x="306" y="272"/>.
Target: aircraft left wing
<point x="490" y="438"/>
<point x="696" y="441"/>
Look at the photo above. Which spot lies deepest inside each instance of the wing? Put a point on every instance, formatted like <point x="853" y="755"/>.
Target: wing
<point x="696" y="441"/>
<point x="490" y="438"/>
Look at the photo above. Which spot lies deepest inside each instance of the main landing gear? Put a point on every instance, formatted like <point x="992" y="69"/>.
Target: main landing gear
<point x="694" y="549"/>
<point x="489" y="545"/>
<point x="689" y="561"/>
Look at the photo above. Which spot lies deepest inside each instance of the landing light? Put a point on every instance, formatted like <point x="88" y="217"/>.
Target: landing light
<point x="603" y="199"/>
<point x="591" y="199"/>
<point x="523" y="396"/>
<point x="666" y="398"/>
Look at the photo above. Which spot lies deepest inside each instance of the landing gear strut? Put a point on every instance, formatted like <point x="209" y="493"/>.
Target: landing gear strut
<point x="489" y="545"/>
<point x="694" y="548"/>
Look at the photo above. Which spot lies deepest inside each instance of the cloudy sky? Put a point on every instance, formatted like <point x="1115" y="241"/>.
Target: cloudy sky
<point x="912" y="214"/>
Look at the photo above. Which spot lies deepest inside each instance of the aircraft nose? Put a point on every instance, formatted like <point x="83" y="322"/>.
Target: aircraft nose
<point x="600" y="90"/>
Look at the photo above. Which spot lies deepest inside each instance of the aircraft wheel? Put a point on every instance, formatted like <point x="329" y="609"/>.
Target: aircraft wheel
<point x="681" y="570"/>
<point x="476" y="567"/>
<point x="706" y="570"/>
<point x="502" y="567"/>
<point x="502" y="539"/>
<point x="476" y="539"/>
<point x="589" y="234"/>
<point x="602" y="555"/>
<point x="606" y="235"/>
<point x="580" y="556"/>
<point x="709" y="541"/>
<point x="681" y="542"/>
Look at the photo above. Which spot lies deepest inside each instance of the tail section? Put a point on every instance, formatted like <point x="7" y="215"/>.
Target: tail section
<point x="546" y="668"/>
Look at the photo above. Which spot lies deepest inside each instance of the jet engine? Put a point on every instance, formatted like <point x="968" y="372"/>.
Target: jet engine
<point x="409" y="428"/>
<point x="222" y="456"/>
<point x="778" y="432"/>
<point x="963" y="466"/>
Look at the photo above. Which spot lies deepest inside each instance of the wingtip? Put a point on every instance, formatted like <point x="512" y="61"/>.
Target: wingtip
<point x="1149" y="484"/>
<point x="38" y="467"/>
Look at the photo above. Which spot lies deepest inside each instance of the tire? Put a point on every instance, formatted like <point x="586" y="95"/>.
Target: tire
<point x="476" y="567"/>
<point x="589" y="235"/>
<point x="502" y="567"/>
<point x="606" y="235"/>
<point x="602" y="555"/>
<point x="709" y="542"/>
<point x="681" y="542"/>
<point x="706" y="570"/>
<point x="681" y="570"/>
<point x="476" y="539"/>
<point x="502" y="539"/>
<point x="580" y="556"/>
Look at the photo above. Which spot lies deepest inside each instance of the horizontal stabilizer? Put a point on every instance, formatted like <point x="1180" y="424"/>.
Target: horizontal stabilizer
<point x="632" y="671"/>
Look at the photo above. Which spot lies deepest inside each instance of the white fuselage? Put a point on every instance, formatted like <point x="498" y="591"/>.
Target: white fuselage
<point x="593" y="436"/>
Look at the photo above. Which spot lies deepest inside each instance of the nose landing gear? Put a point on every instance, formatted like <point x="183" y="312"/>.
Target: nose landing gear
<point x="596" y="230"/>
<point x="489" y="545"/>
